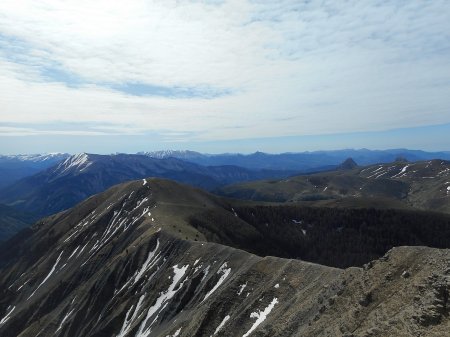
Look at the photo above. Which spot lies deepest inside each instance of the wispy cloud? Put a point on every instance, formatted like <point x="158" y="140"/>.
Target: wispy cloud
<point x="199" y="68"/>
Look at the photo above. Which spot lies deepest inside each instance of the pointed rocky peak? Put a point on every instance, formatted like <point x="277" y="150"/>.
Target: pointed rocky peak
<point x="348" y="164"/>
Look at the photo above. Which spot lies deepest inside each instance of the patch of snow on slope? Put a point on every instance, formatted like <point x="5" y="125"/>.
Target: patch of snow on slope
<point x="162" y="301"/>
<point x="241" y="288"/>
<point x="227" y="317"/>
<point x="73" y="253"/>
<point x="402" y="172"/>
<point x="144" y="182"/>
<point x="260" y="316"/>
<point x="48" y="276"/>
<point x="64" y="320"/>
<point x="176" y="334"/>
<point x="4" y="319"/>
<point x="225" y="272"/>
<point x="149" y="263"/>
<point x="127" y="323"/>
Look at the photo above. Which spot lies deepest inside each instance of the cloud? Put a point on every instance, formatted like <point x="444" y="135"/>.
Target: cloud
<point x="194" y="70"/>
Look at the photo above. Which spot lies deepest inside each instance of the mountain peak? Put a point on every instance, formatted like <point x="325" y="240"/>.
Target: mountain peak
<point x="79" y="161"/>
<point x="348" y="164"/>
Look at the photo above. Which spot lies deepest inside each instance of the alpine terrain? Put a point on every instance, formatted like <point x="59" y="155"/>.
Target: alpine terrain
<point x="137" y="260"/>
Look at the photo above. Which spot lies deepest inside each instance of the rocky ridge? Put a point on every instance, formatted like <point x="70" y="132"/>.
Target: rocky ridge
<point x="115" y="266"/>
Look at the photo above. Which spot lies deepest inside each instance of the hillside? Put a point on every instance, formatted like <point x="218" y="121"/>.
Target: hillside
<point x="80" y="176"/>
<point x="12" y="221"/>
<point x="423" y="185"/>
<point x="127" y="262"/>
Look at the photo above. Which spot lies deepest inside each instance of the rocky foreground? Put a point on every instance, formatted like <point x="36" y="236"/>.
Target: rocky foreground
<point x="120" y="265"/>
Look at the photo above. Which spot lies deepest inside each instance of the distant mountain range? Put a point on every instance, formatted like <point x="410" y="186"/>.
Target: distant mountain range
<point x="155" y="258"/>
<point x="303" y="161"/>
<point x="80" y="176"/>
<point x="15" y="167"/>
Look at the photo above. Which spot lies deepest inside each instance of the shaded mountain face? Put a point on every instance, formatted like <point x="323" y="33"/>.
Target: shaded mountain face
<point x="348" y="164"/>
<point x="13" y="168"/>
<point x="424" y="185"/>
<point x="303" y="161"/>
<point x="13" y="221"/>
<point x="82" y="175"/>
<point x="126" y="263"/>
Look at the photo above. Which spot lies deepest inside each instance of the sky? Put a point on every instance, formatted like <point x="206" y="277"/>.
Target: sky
<point x="223" y="76"/>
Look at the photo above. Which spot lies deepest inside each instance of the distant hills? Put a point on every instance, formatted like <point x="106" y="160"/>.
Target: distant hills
<point x="302" y="161"/>
<point x="423" y="185"/>
<point x="80" y="176"/>
<point x="15" y="167"/>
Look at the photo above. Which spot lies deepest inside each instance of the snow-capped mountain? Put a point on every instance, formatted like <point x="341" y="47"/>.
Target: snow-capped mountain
<point x="180" y="154"/>
<point x="36" y="158"/>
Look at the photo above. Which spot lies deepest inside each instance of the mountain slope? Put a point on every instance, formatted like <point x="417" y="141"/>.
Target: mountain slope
<point x="423" y="185"/>
<point x="115" y="265"/>
<point x="83" y="175"/>
<point x="12" y="221"/>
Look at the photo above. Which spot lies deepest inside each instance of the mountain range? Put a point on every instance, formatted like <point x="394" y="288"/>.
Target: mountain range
<point x="15" y="167"/>
<point x="80" y="176"/>
<point x="300" y="161"/>
<point x="156" y="258"/>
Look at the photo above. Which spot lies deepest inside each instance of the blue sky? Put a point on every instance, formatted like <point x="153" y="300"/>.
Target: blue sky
<point x="219" y="76"/>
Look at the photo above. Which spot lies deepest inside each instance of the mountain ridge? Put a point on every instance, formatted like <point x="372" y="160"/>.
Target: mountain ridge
<point x="82" y="175"/>
<point x="114" y="265"/>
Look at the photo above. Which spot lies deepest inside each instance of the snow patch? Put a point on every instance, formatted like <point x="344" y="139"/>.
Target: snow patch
<point x="225" y="272"/>
<point x="401" y="173"/>
<point x="6" y="318"/>
<point x="162" y="300"/>
<point x="177" y="333"/>
<point x="260" y="316"/>
<point x="64" y="320"/>
<point x="48" y="276"/>
<point x="241" y="288"/>
<point x="127" y="323"/>
<point x="227" y="317"/>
